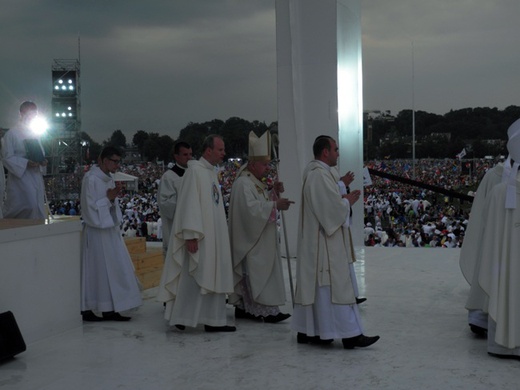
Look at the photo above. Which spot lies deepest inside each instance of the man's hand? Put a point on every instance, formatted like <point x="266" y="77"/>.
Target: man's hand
<point x="112" y="193"/>
<point x="283" y="204"/>
<point x="353" y="197"/>
<point x="32" y="164"/>
<point x="348" y="178"/>
<point x="192" y="245"/>
<point x="278" y="187"/>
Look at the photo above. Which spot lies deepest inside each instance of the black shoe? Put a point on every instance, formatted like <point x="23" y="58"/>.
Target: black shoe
<point x="360" y="300"/>
<point x="360" y="341"/>
<point x="500" y="356"/>
<point x="479" y="331"/>
<point x="180" y="327"/>
<point x="225" y="328"/>
<point x="90" y="316"/>
<point x="302" y="338"/>
<point x="241" y="313"/>
<point x="277" y="318"/>
<point x="111" y="316"/>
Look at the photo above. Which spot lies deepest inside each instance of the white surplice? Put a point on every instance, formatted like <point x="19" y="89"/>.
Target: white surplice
<point x="499" y="271"/>
<point x="108" y="277"/>
<point x="167" y="201"/>
<point x="25" y="190"/>
<point x="325" y="299"/>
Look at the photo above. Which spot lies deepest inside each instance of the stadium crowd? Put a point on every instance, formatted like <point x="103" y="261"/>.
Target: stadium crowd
<point x="396" y="214"/>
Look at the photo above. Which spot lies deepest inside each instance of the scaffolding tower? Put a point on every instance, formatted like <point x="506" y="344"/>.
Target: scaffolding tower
<point x="66" y="149"/>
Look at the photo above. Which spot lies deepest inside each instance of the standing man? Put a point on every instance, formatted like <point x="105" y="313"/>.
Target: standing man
<point x="169" y="188"/>
<point x="2" y="178"/>
<point x="497" y="263"/>
<point x="198" y="272"/>
<point x="108" y="281"/>
<point x="255" y="246"/>
<point x="474" y="239"/>
<point x="25" y="190"/>
<point x="326" y="306"/>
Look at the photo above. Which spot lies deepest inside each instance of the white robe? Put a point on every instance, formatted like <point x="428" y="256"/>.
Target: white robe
<point x="25" y="190"/>
<point x="471" y="247"/>
<point x="108" y="277"/>
<point x="477" y="301"/>
<point x="194" y="285"/>
<point x="499" y="273"/>
<point x="254" y="240"/>
<point x="167" y="201"/>
<point x="325" y="299"/>
<point x="322" y="237"/>
<point x="2" y="188"/>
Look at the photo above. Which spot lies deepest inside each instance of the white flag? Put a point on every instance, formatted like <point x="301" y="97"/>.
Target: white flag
<point x="461" y="154"/>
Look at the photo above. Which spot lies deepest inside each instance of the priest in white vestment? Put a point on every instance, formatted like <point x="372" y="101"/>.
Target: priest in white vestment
<point x="325" y="303"/>
<point x="255" y="244"/>
<point x="198" y="272"/>
<point x="169" y="188"/>
<point x="108" y="281"/>
<point x="499" y="264"/>
<point x="477" y="302"/>
<point x="2" y="180"/>
<point x="25" y="190"/>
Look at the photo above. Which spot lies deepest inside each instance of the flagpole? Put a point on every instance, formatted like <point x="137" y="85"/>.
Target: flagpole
<point x="413" y="114"/>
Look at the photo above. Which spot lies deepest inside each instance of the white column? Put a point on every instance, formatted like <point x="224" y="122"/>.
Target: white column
<point x="319" y="92"/>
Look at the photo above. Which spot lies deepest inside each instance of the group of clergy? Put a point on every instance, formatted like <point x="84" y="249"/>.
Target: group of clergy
<point x="210" y="262"/>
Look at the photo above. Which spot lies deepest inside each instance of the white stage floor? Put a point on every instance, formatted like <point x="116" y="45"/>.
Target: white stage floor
<point x="415" y="303"/>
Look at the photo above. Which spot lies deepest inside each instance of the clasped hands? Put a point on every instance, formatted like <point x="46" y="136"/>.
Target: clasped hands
<point x="34" y="164"/>
<point x="112" y="193"/>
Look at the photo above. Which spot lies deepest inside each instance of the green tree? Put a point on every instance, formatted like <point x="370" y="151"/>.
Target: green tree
<point x="139" y="139"/>
<point x="151" y="147"/>
<point x="165" y="148"/>
<point x="117" y="139"/>
<point x="195" y="133"/>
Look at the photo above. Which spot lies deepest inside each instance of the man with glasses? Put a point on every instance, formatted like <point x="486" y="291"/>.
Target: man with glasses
<point x="108" y="281"/>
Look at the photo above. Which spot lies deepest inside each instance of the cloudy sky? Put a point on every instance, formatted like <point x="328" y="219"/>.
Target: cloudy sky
<point x="157" y="65"/>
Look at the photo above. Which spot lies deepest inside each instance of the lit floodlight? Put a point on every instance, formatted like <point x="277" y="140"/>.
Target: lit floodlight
<point x="39" y="126"/>
<point x="64" y="108"/>
<point x="64" y="83"/>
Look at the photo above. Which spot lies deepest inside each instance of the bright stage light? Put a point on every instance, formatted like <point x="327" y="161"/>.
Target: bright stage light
<point x="64" y="83"/>
<point x="39" y="125"/>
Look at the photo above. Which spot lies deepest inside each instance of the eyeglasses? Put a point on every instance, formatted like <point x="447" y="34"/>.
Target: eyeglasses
<point x="115" y="161"/>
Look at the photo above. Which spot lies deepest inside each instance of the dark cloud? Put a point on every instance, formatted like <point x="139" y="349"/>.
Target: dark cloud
<point x="157" y="65"/>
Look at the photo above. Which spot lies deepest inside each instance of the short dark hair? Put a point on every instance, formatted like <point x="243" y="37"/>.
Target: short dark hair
<point x="109" y="151"/>
<point x="209" y="141"/>
<point x="180" y="144"/>
<point x="27" y="106"/>
<point x="320" y="143"/>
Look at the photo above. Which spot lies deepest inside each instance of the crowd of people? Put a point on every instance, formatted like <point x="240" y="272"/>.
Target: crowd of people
<point x="403" y="215"/>
<point x="396" y="214"/>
